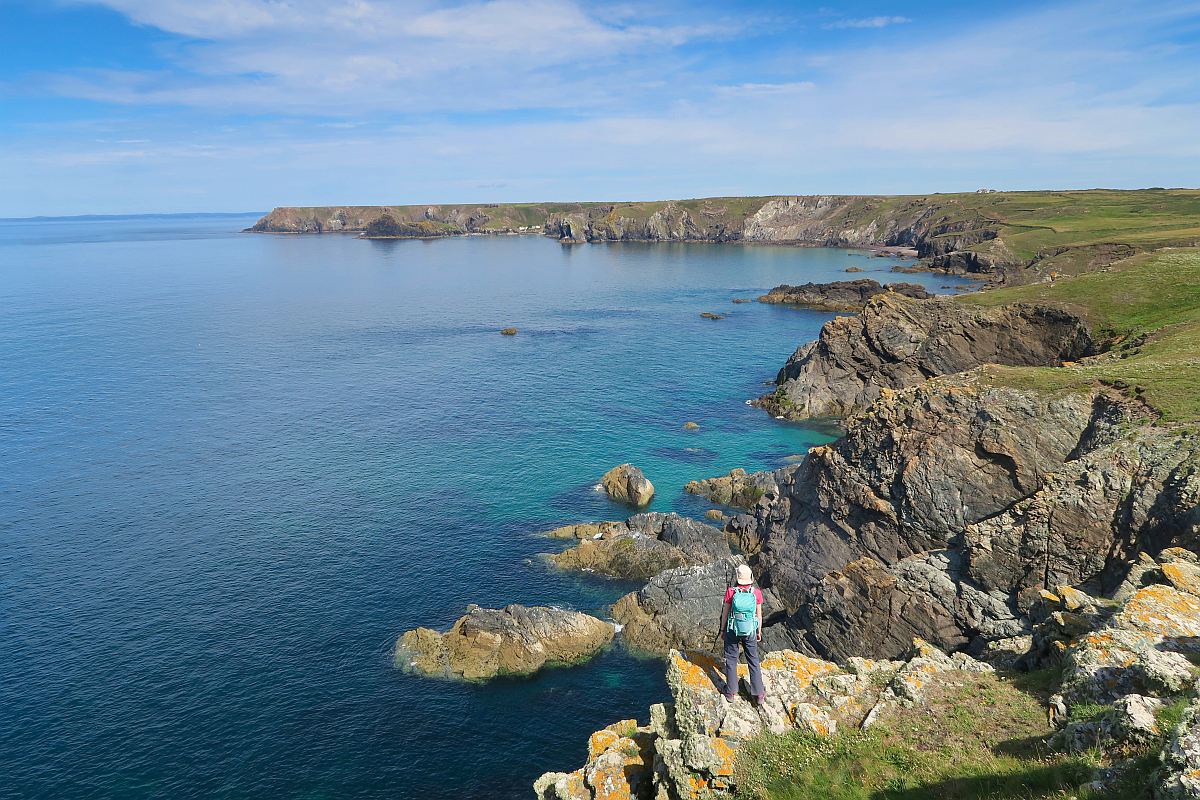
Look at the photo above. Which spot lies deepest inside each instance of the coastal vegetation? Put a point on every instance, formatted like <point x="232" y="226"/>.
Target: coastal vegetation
<point x="1147" y="308"/>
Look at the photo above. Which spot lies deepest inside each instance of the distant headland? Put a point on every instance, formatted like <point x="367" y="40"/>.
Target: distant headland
<point x="1000" y="237"/>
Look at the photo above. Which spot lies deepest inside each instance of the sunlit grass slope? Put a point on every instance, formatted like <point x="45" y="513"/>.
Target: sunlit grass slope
<point x="1149" y="306"/>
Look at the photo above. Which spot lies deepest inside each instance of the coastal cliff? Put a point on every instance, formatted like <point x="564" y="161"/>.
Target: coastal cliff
<point x="1019" y="482"/>
<point x="999" y="237"/>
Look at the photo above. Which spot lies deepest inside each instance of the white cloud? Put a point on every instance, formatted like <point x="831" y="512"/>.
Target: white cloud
<point x="867" y="22"/>
<point x="1093" y="93"/>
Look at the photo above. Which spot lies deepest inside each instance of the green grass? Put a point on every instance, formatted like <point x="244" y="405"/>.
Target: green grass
<point x="1149" y="308"/>
<point x="982" y="739"/>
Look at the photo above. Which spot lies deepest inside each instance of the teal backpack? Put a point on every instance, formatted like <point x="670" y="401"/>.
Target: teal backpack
<point x="743" y="611"/>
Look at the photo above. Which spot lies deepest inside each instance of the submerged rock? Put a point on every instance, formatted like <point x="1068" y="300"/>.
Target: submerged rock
<point x="517" y="640"/>
<point x="627" y="484"/>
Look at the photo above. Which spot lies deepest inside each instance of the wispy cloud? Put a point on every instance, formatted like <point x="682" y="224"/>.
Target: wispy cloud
<point x="866" y="22"/>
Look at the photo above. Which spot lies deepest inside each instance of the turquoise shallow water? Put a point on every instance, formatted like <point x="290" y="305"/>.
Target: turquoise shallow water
<point x="234" y="467"/>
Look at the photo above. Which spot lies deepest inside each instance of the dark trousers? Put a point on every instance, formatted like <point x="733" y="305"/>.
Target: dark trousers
<point x="750" y="645"/>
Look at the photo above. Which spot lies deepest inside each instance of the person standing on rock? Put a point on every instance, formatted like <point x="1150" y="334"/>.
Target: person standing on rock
<point x="741" y="620"/>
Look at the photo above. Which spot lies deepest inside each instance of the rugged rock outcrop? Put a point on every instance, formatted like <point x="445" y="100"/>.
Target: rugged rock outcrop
<point x="840" y="295"/>
<point x="1126" y="668"/>
<point x="965" y="497"/>
<point x="897" y="342"/>
<point x="517" y="640"/>
<point x="738" y="489"/>
<point x="689" y="748"/>
<point x="626" y="484"/>
<point x="642" y="546"/>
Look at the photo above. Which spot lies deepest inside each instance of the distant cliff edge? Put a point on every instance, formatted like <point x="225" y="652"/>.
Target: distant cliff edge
<point x="1001" y="237"/>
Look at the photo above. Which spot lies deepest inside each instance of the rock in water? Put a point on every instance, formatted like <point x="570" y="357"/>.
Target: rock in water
<point x="627" y="484"/>
<point x="515" y="641"/>
<point x="840" y="295"/>
<point x="642" y="546"/>
<point x="737" y="489"/>
<point x="509" y="331"/>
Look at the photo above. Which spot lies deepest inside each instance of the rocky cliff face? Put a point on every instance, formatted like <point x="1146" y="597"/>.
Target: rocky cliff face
<point x="404" y="221"/>
<point x="899" y="342"/>
<point x="1018" y="490"/>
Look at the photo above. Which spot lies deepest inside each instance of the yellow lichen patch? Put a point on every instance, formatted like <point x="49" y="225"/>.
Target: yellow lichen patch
<point x="726" y="754"/>
<point x="804" y="669"/>
<point x="610" y="774"/>
<point x="600" y="741"/>
<point x="1183" y="576"/>
<point x="575" y="785"/>
<point x="1162" y="610"/>
<point x="695" y="668"/>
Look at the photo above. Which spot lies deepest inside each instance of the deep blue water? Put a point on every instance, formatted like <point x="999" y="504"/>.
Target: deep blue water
<point x="235" y="467"/>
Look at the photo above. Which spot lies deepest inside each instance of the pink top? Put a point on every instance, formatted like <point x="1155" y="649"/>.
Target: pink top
<point x="729" y="594"/>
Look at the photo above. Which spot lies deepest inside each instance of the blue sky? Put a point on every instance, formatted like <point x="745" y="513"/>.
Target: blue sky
<point x="128" y="106"/>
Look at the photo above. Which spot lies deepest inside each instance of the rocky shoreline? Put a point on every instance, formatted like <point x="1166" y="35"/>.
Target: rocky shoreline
<point x="977" y="235"/>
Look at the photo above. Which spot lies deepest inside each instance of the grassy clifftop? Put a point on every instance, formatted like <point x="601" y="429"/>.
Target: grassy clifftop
<point x="1005" y="237"/>
<point x="1149" y="308"/>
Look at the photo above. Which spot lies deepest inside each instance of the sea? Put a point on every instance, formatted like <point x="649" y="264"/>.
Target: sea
<point x="235" y="467"/>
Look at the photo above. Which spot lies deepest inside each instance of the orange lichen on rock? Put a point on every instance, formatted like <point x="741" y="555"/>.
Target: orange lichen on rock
<point x="1183" y="576"/>
<point x="1162" y="610"/>
<point x="696" y="667"/>
<point x="802" y="668"/>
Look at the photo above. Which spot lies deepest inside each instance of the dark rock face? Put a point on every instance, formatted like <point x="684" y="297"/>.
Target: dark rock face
<point x="897" y="342"/>
<point x="1087" y="523"/>
<point x="910" y="474"/>
<point x="682" y="607"/>
<point x="840" y="295"/>
<point x="944" y="505"/>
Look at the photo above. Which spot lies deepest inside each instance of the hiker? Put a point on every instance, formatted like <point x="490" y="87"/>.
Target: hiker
<point x="741" y="619"/>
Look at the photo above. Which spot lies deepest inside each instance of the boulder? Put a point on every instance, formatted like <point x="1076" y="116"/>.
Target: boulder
<point x="1140" y="650"/>
<point x="627" y="484"/>
<point x="517" y="640"/>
